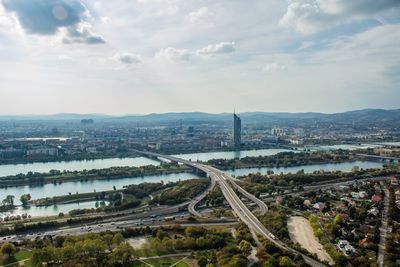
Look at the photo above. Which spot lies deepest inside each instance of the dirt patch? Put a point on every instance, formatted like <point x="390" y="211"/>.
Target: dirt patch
<point x="137" y="242"/>
<point x="191" y="262"/>
<point x="300" y="231"/>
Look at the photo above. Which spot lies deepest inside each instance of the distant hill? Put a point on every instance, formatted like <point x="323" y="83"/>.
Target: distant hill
<point x="366" y="116"/>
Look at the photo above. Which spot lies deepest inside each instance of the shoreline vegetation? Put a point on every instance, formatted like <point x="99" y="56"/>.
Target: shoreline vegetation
<point x="283" y="159"/>
<point x="287" y="159"/>
<point x="129" y="153"/>
<point x="119" y="201"/>
<point x="132" y="154"/>
<point x="256" y="183"/>
<point x="58" y="177"/>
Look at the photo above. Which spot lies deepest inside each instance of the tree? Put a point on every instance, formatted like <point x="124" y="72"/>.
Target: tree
<point x="122" y="255"/>
<point x="285" y="261"/>
<point x="261" y="254"/>
<point x="108" y="239"/>
<point x="238" y="261"/>
<point x="118" y="238"/>
<point x="245" y="247"/>
<point x="8" y="201"/>
<point x="202" y="261"/>
<point x="8" y="249"/>
<point x="338" y="219"/>
<point x="25" y="198"/>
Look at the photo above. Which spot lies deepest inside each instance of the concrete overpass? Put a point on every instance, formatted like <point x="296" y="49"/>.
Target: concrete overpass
<point x="240" y="209"/>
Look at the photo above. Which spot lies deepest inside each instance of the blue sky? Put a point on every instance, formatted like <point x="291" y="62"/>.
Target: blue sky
<point x="144" y="56"/>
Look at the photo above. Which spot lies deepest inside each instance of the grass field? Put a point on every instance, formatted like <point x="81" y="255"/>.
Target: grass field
<point x="172" y="261"/>
<point x="21" y="255"/>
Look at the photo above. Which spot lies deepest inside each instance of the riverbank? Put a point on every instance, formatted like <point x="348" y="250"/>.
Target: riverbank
<point x="286" y="159"/>
<point x="74" y="198"/>
<point x="58" y="177"/>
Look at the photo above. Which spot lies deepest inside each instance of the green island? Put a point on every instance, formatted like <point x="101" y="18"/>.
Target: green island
<point x="58" y="177"/>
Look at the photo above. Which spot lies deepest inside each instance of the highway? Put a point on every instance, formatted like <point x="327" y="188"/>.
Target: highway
<point x="194" y="202"/>
<point x="109" y="226"/>
<point x="240" y="209"/>
<point x="260" y="203"/>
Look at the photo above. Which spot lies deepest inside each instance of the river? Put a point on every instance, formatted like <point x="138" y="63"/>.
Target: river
<point x="79" y="165"/>
<point x="50" y="190"/>
<point x="342" y="166"/>
<point x="75" y="165"/>
<point x="53" y="210"/>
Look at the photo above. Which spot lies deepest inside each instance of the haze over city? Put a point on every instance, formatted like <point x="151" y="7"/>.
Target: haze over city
<point x="146" y="56"/>
<point x="207" y="133"/>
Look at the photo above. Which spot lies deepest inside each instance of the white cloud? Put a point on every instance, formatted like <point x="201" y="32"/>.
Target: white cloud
<point x="378" y="43"/>
<point x="193" y="65"/>
<point x="168" y="11"/>
<point x="173" y="54"/>
<point x="5" y="19"/>
<point x="128" y="58"/>
<point x="221" y="48"/>
<point x="49" y="17"/>
<point x="310" y="16"/>
<point x="82" y="34"/>
<point x="200" y="15"/>
<point x="271" y="67"/>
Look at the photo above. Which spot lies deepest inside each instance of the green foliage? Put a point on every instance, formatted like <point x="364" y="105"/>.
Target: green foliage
<point x="231" y="256"/>
<point x="55" y="176"/>
<point x="8" y="249"/>
<point x="245" y="247"/>
<point x="183" y="191"/>
<point x="276" y="220"/>
<point x="243" y="233"/>
<point x="285" y="261"/>
<point x="283" y="159"/>
<point x="25" y="198"/>
<point x="87" y="250"/>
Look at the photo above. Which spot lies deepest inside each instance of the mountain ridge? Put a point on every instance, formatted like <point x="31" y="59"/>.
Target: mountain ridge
<point x="363" y="115"/>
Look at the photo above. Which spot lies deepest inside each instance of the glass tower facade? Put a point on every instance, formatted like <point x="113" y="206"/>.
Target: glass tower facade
<point x="237" y="131"/>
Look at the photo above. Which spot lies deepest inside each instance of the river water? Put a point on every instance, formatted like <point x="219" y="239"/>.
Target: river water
<point x="50" y="190"/>
<point x="343" y="166"/>
<point x="79" y="165"/>
<point x="75" y="165"/>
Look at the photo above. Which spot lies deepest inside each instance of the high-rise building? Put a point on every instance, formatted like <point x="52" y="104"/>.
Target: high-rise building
<point x="237" y="131"/>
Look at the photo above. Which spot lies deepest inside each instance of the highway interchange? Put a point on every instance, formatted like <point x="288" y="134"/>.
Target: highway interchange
<point x="240" y="209"/>
<point x="158" y="215"/>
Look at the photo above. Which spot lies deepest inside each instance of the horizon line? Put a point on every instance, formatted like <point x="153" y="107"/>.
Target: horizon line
<point x="183" y="112"/>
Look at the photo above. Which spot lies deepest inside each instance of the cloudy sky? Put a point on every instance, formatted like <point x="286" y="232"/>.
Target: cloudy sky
<point x="144" y="56"/>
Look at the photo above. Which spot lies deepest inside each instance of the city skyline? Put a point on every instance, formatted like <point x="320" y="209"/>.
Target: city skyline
<point x="157" y="56"/>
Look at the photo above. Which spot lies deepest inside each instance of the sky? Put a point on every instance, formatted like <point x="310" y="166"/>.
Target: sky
<point x="154" y="56"/>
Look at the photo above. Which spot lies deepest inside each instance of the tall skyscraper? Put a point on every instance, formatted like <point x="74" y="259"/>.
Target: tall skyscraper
<point x="237" y="131"/>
